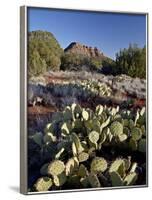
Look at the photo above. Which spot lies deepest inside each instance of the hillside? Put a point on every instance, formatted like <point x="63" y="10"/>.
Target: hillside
<point x="44" y="52"/>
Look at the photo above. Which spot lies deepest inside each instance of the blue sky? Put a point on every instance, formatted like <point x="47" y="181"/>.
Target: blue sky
<point x="107" y="31"/>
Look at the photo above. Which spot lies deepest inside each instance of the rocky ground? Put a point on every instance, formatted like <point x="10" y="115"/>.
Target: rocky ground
<point x="51" y="92"/>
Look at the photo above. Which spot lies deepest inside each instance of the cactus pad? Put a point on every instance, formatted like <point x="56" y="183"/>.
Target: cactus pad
<point x="77" y="142"/>
<point x="43" y="184"/>
<point x="93" y="136"/>
<point x="136" y="133"/>
<point x="118" y="166"/>
<point x="60" y="179"/>
<point x="142" y="145"/>
<point x="85" y="115"/>
<point x="71" y="166"/>
<point x="83" y="156"/>
<point x="93" y="180"/>
<point x="56" y="167"/>
<point x="99" y="109"/>
<point x="66" y="128"/>
<point x="98" y="164"/>
<point x="130" y="179"/>
<point x="116" y="179"/>
<point x="116" y="128"/>
<point x="133" y="144"/>
<point x="82" y="172"/>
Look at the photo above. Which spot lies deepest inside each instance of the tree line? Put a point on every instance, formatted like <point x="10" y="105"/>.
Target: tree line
<point x="45" y="53"/>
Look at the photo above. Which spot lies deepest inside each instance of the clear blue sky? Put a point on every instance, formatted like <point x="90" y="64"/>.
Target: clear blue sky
<point x="109" y="32"/>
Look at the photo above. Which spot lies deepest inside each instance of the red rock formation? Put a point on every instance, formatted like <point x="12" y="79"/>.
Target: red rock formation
<point x="78" y="48"/>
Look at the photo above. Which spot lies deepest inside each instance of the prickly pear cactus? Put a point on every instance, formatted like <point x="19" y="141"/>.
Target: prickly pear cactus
<point x="142" y="145"/>
<point x="82" y="172"/>
<point x="75" y="140"/>
<point x="98" y="164"/>
<point x="133" y="144"/>
<point x="116" y="179"/>
<point x="94" y="181"/>
<point x="83" y="156"/>
<point x="136" y="133"/>
<point x="99" y="109"/>
<point x="130" y="179"/>
<point x="116" y="128"/>
<point x="93" y="137"/>
<point x="60" y="179"/>
<point x="43" y="184"/>
<point x="85" y="115"/>
<point x="56" y="167"/>
<point x="118" y="166"/>
<point x="71" y="166"/>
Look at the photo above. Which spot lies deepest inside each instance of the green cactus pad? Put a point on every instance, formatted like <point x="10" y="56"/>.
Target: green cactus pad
<point x="98" y="164"/>
<point x="93" y="136"/>
<point x="133" y="167"/>
<point x="105" y="123"/>
<point x="85" y="115"/>
<point x="127" y="163"/>
<point x="71" y="166"/>
<point x="116" y="179"/>
<point x="126" y="122"/>
<point x="116" y="128"/>
<point x="142" y="145"/>
<point x="85" y="182"/>
<point x="103" y="137"/>
<point x="131" y="124"/>
<point x="43" y="184"/>
<point x="93" y="180"/>
<point x="99" y="109"/>
<point x="76" y="108"/>
<point x="82" y="172"/>
<point x="122" y="137"/>
<point x="56" y="167"/>
<point x="83" y="156"/>
<point x="118" y="166"/>
<point x="66" y="128"/>
<point x="126" y="131"/>
<point x="60" y="179"/>
<point x="77" y="142"/>
<point x="74" y="149"/>
<point x="133" y="144"/>
<point x="130" y="179"/>
<point x="136" y="133"/>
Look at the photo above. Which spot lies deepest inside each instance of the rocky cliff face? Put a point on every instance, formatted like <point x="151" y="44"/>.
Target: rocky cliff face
<point x="78" y="48"/>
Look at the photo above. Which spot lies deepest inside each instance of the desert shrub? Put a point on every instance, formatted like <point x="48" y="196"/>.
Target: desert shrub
<point x="132" y="61"/>
<point x="78" y="62"/>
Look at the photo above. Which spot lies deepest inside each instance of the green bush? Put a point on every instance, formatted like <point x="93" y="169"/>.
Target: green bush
<point x="76" y="62"/>
<point x="44" y="53"/>
<point x="132" y="61"/>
